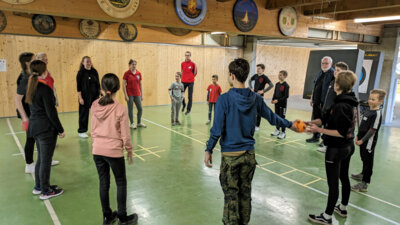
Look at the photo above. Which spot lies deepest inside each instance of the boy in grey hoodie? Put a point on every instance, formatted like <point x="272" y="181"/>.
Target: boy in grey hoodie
<point x="176" y="93"/>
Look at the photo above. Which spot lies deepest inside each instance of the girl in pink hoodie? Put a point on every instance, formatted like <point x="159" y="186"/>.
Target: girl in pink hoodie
<point x="111" y="134"/>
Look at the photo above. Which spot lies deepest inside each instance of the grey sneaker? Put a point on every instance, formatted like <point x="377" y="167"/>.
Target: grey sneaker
<point x="342" y="213"/>
<point x="208" y="122"/>
<point x="141" y="125"/>
<point x="360" y="187"/>
<point x="358" y="177"/>
<point x="275" y="133"/>
<point x="322" y="149"/>
<point x="282" y="135"/>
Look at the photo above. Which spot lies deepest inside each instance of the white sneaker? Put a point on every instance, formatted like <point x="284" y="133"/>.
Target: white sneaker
<point x="141" y="125"/>
<point x="275" y="133"/>
<point x="133" y="126"/>
<point x="30" y="168"/>
<point x="208" y="122"/>
<point x="322" y="149"/>
<point x="83" y="135"/>
<point x="282" y="135"/>
<point x="257" y="128"/>
<point x="55" y="162"/>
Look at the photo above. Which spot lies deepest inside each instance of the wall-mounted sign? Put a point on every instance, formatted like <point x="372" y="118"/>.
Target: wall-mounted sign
<point x="119" y="8"/>
<point x="89" y="28"/>
<point x="191" y="12"/>
<point x="128" y="32"/>
<point x="3" y="21"/>
<point x="44" y="24"/>
<point x="287" y="20"/>
<point x="245" y="15"/>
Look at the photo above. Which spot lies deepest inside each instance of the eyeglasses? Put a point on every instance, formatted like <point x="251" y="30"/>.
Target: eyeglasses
<point x="324" y="63"/>
<point x="187" y="55"/>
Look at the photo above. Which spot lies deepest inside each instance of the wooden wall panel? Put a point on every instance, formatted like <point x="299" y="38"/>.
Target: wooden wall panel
<point x="157" y="62"/>
<point x="293" y="60"/>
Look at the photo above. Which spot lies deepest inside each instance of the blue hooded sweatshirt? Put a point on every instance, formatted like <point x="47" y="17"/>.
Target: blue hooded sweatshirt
<point x="235" y="120"/>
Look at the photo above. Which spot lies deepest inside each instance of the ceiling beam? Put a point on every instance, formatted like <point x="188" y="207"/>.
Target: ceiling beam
<point x="348" y="6"/>
<point x="277" y="4"/>
<point x="369" y="14"/>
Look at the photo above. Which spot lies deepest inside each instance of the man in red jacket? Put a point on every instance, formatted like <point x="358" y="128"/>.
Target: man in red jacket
<point x="189" y="72"/>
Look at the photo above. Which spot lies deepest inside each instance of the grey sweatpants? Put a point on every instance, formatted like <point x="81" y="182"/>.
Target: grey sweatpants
<point x="138" y="103"/>
<point x="175" y="107"/>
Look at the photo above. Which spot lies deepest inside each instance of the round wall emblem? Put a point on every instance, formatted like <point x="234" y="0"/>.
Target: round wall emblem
<point x="18" y="1"/>
<point x="287" y="20"/>
<point x="245" y="15"/>
<point x="44" y="24"/>
<point x="128" y="32"/>
<point x="3" y="21"/>
<point x="191" y="12"/>
<point x="119" y="8"/>
<point x="89" y="28"/>
<point x="178" y="31"/>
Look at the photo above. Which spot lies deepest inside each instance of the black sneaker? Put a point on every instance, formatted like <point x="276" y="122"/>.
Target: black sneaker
<point x="312" y="140"/>
<point x="111" y="220"/>
<point x="358" y="177"/>
<point x="130" y="220"/>
<point x="38" y="191"/>
<point x="342" y="213"/>
<point x="319" y="219"/>
<point x="52" y="193"/>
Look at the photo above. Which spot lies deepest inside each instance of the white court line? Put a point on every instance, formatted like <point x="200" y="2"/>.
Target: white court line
<point x="19" y="132"/>
<point x="310" y="188"/>
<point x="49" y="207"/>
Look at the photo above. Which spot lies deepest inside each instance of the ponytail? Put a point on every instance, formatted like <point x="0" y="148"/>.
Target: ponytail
<point x="37" y="67"/>
<point x="110" y="85"/>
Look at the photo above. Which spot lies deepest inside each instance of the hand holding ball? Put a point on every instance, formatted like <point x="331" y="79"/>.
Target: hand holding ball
<point x="300" y="125"/>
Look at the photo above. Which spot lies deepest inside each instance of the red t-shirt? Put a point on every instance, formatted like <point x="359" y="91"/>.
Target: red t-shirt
<point x="133" y="82"/>
<point x="189" y="71"/>
<point x="49" y="81"/>
<point x="213" y="93"/>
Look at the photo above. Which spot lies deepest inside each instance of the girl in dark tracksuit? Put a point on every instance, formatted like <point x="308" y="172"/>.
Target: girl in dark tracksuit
<point x="88" y="87"/>
<point x="339" y="131"/>
<point x="44" y="126"/>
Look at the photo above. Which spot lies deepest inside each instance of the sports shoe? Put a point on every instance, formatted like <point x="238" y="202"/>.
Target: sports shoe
<point x="208" y="122"/>
<point x="55" y="162"/>
<point x="130" y="220"/>
<point x="358" y="177"/>
<point x="141" y="125"/>
<point x="342" y="213"/>
<point x="312" y="140"/>
<point x="322" y="149"/>
<point x="178" y="123"/>
<point x="53" y="193"/>
<point x="282" y="135"/>
<point x="133" y="126"/>
<point x="360" y="187"/>
<point x="321" y="144"/>
<point x="275" y="133"/>
<point x="83" y="135"/>
<point x="257" y="128"/>
<point x="111" y="220"/>
<point x="187" y="112"/>
<point x="38" y="191"/>
<point x="173" y="123"/>
<point x="30" y="168"/>
<point x="320" y="219"/>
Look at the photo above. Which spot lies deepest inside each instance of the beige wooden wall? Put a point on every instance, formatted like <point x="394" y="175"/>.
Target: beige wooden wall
<point x="293" y="60"/>
<point x="157" y="62"/>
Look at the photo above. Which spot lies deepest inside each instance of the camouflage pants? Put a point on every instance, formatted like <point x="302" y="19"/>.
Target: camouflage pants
<point x="236" y="174"/>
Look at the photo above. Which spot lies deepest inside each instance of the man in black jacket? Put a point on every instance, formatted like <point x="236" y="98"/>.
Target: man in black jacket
<point x="321" y="85"/>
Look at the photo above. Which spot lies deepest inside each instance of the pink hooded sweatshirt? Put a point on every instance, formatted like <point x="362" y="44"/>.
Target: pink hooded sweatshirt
<point x="110" y="129"/>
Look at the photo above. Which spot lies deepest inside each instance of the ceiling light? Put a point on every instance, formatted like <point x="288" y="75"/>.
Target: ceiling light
<point x="376" y="19"/>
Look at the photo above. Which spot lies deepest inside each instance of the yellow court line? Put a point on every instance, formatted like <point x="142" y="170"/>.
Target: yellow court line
<point x="290" y="171"/>
<point x="149" y="151"/>
<point x="291" y="142"/>
<point x="138" y="156"/>
<point x="268" y="163"/>
<point x="262" y="156"/>
<point x="312" y="181"/>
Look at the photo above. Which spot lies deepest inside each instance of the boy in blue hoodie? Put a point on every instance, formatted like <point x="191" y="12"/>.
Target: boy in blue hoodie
<point x="234" y="122"/>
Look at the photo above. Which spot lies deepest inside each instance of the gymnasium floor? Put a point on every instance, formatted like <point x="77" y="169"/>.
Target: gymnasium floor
<point x="168" y="183"/>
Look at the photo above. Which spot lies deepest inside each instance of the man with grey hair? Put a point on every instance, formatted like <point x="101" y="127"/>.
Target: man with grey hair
<point x="321" y="85"/>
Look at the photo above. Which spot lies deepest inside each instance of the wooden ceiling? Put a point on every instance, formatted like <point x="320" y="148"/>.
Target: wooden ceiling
<point x="342" y="9"/>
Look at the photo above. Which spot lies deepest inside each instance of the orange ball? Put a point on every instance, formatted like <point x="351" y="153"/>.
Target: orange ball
<point x="301" y="126"/>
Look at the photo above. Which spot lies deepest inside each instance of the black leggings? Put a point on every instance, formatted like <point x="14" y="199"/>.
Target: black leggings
<point x="29" y="148"/>
<point x="337" y="162"/>
<point x="280" y="110"/>
<point x="103" y="164"/>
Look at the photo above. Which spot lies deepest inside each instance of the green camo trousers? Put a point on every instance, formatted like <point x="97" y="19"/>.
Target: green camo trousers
<point x="236" y="174"/>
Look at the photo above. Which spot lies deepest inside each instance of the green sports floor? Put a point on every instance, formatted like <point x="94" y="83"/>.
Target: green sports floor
<point x="168" y="183"/>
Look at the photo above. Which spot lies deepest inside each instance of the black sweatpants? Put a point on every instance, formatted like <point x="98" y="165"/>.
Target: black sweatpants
<point x="190" y="95"/>
<point x="280" y="110"/>
<point x="367" y="157"/>
<point x="117" y="165"/>
<point x="29" y="148"/>
<point x="259" y="116"/>
<point x="210" y="109"/>
<point x="317" y="114"/>
<point x="84" y="115"/>
<point x="337" y="162"/>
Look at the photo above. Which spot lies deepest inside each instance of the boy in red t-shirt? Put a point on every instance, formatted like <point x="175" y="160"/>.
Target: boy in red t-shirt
<point x="213" y="92"/>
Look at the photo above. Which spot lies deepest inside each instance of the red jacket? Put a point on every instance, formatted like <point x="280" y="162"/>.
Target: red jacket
<point x="189" y="71"/>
